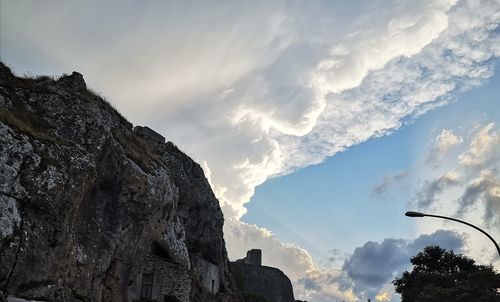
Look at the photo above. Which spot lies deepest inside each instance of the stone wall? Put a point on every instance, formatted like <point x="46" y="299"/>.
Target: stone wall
<point x="210" y="276"/>
<point x="168" y="280"/>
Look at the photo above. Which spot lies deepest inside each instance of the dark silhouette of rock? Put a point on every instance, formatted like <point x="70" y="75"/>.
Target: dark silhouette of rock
<point x="94" y="210"/>
<point x="261" y="283"/>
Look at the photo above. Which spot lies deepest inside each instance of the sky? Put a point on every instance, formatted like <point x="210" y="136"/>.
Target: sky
<point x="317" y="123"/>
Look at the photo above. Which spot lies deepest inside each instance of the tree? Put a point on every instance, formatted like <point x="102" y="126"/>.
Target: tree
<point x="441" y="275"/>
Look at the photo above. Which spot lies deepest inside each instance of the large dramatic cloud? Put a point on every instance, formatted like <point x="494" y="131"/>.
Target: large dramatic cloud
<point x="406" y="87"/>
<point x="258" y="90"/>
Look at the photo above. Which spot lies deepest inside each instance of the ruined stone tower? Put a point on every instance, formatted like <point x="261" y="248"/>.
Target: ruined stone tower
<point x="254" y="256"/>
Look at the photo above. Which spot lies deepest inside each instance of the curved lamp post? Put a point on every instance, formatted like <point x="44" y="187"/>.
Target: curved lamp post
<point x="418" y="214"/>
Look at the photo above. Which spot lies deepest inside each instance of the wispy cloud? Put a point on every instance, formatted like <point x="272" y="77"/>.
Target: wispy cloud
<point x="387" y="182"/>
<point x="469" y="190"/>
<point x="486" y="188"/>
<point x="430" y="192"/>
<point x="477" y="168"/>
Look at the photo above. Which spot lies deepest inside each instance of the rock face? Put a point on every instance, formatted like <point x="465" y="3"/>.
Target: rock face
<point x="261" y="283"/>
<point x="92" y="209"/>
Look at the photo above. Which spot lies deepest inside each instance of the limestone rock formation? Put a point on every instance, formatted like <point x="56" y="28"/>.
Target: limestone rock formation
<point x="261" y="283"/>
<point x="92" y="209"/>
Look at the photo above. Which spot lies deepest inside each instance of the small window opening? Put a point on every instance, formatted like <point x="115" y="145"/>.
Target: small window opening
<point x="147" y="286"/>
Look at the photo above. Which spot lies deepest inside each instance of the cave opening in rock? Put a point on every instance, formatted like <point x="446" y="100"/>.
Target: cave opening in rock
<point x="159" y="251"/>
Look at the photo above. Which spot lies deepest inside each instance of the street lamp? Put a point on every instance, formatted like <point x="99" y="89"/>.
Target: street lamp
<point x="418" y="214"/>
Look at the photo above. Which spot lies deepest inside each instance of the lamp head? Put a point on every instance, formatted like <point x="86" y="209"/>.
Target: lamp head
<point x="414" y="214"/>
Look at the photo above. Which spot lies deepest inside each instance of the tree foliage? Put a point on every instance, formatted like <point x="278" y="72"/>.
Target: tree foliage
<point x="441" y="275"/>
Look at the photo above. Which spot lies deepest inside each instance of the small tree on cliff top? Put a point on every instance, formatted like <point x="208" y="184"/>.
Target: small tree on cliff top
<point x="441" y="275"/>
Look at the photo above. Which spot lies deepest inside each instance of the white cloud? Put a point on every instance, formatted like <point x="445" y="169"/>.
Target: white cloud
<point x="410" y="27"/>
<point x="445" y="141"/>
<point x="405" y="88"/>
<point x="481" y="148"/>
<point x="259" y="90"/>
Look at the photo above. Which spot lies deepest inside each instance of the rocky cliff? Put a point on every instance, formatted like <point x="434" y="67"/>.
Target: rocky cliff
<point x="92" y="209"/>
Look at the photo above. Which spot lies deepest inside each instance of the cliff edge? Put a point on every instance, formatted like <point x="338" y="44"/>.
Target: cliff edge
<point x="93" y="209"/>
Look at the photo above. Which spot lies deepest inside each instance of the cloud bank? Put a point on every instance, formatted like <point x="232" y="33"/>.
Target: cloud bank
<point x="259" y="91"/>
<point x="255" y="91"/>
<point x="368" y="272"/>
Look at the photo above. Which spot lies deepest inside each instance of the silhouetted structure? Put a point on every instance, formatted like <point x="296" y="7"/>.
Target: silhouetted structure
<point x="261" y="283"/>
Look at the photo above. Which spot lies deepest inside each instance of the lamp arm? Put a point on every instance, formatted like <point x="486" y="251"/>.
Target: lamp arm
<point x="471" y="225"/>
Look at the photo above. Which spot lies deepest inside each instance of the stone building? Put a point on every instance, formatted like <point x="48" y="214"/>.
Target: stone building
<point x="254" y="257"/>
<point x="160" y="279"/>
